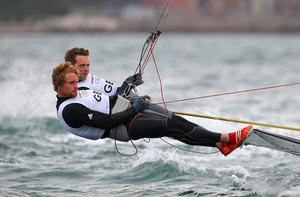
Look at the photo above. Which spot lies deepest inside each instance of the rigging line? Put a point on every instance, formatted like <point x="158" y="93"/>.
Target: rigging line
<point x="129" y="130"/>
<point x="237" y="121"/>
<point x="155" y="34"/>
<point x="183" y="149"/>
<point x="149" y="42"/>
<point x="125" y="154"/>
<point x="229" y="93"/>
<point x="143" y="52"/>
<point x="152" y="37"/>
<point x="150" y="51"/>
<point x="160" y="82"/>
<point x="161" y="15"/>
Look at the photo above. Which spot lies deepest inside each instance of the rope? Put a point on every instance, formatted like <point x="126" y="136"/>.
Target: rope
<point x="229" y="93"/>
<point x="191" y="151"/>
<point x="160" y="83"/>
<point x="237" y="121"/>
<point x="162" y="14"/>
<point x="125" y="154"/>
<point x="151" y="39"/>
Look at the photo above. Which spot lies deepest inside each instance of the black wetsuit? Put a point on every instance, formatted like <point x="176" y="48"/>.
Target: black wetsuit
<point x="148" y="124"/>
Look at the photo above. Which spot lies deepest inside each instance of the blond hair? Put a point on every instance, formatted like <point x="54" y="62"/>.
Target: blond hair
<point x="59" y="72"/>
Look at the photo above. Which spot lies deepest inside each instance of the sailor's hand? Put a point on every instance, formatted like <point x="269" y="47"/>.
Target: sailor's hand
<point x="140" y="104"/>
<point x="135" y="79"/>
<point x="146" y="98"/>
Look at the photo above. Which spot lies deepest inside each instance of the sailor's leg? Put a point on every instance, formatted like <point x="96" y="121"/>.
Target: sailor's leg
<point x="190" y="133"/>
<point x="147" y="125"/>
<point x="155" y="126"/>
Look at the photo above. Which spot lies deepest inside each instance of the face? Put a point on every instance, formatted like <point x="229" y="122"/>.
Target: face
<point x="83" y="64"/>
<point x="70" y="86"/>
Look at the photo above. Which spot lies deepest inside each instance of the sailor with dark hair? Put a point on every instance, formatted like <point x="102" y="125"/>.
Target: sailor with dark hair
<point x="94" y="115"/>
<point x="79" y="57"/>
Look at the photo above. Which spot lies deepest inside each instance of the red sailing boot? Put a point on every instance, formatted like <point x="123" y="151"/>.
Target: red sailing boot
<point x="236" y="139"/>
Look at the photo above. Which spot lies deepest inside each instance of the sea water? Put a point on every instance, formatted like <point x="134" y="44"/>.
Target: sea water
<point x="39" y="158"/>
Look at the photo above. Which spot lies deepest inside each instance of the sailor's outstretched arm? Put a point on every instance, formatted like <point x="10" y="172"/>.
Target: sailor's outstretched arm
<point x="77" y="115"/>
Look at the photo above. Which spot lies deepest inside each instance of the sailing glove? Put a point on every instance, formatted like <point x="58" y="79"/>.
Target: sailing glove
<point x="141" y="103"/>
<point x="133" y="98"/>
<point x="135" y="79"/>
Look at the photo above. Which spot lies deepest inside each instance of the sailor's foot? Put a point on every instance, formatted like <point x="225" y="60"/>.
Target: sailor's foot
<point x="236" y="139"/>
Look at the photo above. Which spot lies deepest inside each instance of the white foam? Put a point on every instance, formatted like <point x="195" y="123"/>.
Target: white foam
<point x="237" y="172"/>
<point x="28" y="90"/>
<point x="292" y="191"/>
